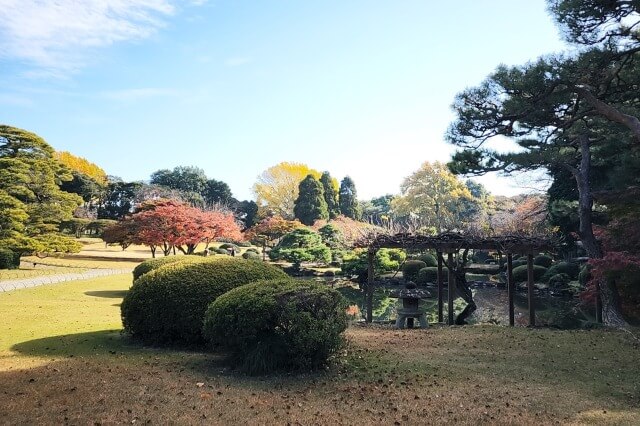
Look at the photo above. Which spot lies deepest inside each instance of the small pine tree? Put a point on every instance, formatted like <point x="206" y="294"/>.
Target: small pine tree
<point x="330" y="195"/>
<point x="348" y="199"/>
<point x="310" y="204"/>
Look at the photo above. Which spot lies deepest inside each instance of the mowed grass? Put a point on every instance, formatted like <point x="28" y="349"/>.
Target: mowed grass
<point x="63" y="360"/>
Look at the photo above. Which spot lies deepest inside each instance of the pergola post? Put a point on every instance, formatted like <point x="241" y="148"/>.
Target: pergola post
<point x="440" y="288"/>
<point x="510" y="288"/>
<point x="452" y="289"/>
<point x="369" y="292"/>
<point x="598" y="303"/>
<point x="532" y="309"/>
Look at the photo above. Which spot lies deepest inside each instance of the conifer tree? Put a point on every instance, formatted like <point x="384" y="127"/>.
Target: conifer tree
<point x="348" y="199"/>
<point x="310" y="204"/>
<point x="330" y="195"/>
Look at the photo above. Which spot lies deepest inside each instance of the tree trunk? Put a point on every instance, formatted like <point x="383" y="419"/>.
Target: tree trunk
<point x="607" y="289"/>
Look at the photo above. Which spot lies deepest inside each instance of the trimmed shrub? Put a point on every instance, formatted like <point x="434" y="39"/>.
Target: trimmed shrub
<point x="229" y="246"/>
<point x="167" y="305"/>
<point x="301" y="245"/>
<point x="220" y="251"/>
<point x="152" y="264"/>
<point x="520" y="273"/>
<point x="252" y="250"/>
<point x="559" y="280"/>
<point x="251" y="255"/>
<point x="428" y="259"/>
<point x="543" y="260"/>
<point x="279" y="324"/>
<point x="569" y="268"/>
<point x="411" y="268"/>
<point x="430" y="275"/>
<point x="9" y="259"/>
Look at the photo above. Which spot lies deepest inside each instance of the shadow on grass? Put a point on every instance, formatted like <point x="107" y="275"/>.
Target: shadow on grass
<point x="81" y="344"/>
<point x="110" y="294"/>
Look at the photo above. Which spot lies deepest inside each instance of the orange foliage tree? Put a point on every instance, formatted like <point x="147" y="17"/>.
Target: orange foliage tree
<point x="170" y="224"/>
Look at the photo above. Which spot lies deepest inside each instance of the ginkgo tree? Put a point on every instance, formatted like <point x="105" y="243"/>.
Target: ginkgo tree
<point x="277" y="188"/>
<point x="432" y="198"/>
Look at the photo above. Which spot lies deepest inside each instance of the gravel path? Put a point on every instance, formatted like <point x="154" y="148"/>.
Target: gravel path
<point x="8" y="285"/>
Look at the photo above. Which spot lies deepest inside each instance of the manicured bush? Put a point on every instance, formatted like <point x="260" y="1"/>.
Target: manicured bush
<point x="428" y="259"/>
<point x="252" y="250"/>
<point x="167" y="305"/>
<point x="430" y="275"/>
<point x="9" y="259"/>
<point x="569" y="268"/>
<point x="559" y="280"/>
<point x="251" y="255"/>
<point x="411" y="268"/>
<point x="543" y="260"/>
<point x="389" y="259"/>
<point x="386" y="260"/>
<point x="520" y="273"/>
<point x="152" y="264"/>
<point x="229" y="246"/>
<point x="301" y="245"/>
<point x="220" y="251"/>
<point x="277" y="325"/>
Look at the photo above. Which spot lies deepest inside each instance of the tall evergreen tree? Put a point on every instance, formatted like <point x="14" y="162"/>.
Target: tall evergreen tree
<point x="348" y="199"/>
<point x="330" y="195"/>
<point x="310" y="204"/>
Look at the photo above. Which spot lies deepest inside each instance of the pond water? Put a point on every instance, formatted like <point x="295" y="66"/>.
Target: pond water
<point x="492" y="302"/>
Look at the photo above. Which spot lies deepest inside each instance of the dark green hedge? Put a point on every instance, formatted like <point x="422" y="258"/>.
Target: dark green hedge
<point x="167" y="305"/>
<point x="520" y="273"/>
<point x="278" y="324"/>
<point x="430" y="275"/>
<point x="9" y="259"/>
<point x="411" y="268"/>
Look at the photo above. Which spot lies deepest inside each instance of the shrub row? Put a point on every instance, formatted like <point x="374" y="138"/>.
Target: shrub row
<point x="9" y="259"/>
<point x="167" y="305"/>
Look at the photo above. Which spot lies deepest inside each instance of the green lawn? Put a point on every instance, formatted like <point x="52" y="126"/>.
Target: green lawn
<point x="63" y="360"/>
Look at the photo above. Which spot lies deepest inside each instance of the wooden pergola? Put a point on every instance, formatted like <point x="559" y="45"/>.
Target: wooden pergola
<point x="452" y="243"/>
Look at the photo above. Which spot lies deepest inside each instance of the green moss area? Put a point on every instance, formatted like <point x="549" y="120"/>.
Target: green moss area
<point x="63" y="360"/>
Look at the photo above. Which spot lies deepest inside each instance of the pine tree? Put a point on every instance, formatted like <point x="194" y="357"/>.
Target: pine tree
<point x="348" y="199"/>
<point x="330" y="195"/>
<point x="310" y="204"/>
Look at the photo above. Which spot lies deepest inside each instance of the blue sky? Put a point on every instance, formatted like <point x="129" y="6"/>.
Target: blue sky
<point x="362" y="88"/>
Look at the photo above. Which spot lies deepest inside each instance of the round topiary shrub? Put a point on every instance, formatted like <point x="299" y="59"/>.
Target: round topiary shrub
<point x="520" y="273"/>
<point x="559" y="280"/>
<point x="153" y="264"/>
<point x="569" y="268"/>
<point x="252" y="250"/>
<point x="543" y="260"/>
<point x="167" y="305"/>
<point x="279" y="324"/>
<point x="229" y="246"/>
<point x="251" y="255"/>
<point x="411" y="268"/>
<point x="9" y="259"/>
<point x="220" y="251"/>
<point x="430" y="275"/>
<point x="428" y="259"/>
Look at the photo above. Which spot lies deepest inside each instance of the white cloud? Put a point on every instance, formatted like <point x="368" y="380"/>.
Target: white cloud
<point x="237" y="61"/>
<point x="53" y="36"/>
<point x="139" y="94"/>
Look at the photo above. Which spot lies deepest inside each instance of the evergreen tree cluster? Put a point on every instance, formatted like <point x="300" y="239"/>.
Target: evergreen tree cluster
<point x="318" y="199"/>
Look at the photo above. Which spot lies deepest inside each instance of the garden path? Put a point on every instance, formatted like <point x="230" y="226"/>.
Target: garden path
<point x="16" y="284"/>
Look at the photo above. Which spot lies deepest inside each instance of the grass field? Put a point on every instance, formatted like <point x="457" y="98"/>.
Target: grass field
<point x="63" y="360"/>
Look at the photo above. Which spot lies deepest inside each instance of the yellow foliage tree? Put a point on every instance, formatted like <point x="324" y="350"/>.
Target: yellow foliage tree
<point x="277" y="188"/>
<point x="82" y="165"/>
<point x="433" y="198"/>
